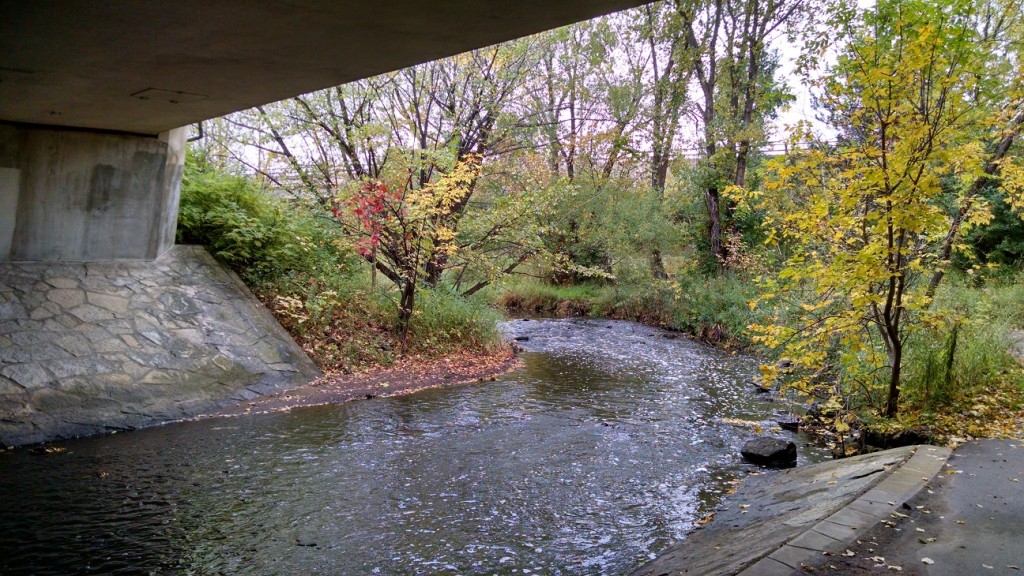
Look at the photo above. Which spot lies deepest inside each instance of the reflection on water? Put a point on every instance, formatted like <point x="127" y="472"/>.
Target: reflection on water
<point x="603" y="449"/>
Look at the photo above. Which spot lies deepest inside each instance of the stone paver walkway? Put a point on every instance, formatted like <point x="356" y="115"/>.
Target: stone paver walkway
<point x="780" y="521"/>
<point x="87" y="348"/>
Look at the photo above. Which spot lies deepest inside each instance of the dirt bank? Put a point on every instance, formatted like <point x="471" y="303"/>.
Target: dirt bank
<point x="411" y="376"/>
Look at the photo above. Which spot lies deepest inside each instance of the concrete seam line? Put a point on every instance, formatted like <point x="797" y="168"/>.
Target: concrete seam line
<point x="900" y="484"/>
<point x="925" y="460"/>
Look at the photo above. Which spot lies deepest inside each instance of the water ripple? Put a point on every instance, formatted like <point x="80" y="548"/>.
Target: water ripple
<point x="603" y="449"/>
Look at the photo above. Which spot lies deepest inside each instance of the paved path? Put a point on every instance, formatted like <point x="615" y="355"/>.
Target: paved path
<point x="970" y="521"/>
<point x="780" y="522"/>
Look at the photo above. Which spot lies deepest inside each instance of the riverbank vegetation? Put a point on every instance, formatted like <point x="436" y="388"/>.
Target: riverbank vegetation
<point x="303" y="269"/>
<point x="634" y="167"/>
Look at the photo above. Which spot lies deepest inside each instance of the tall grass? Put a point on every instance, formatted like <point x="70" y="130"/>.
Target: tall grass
<point x="445" y="321"/>
<point x="968" y="355"/>
<point x="526" y="296"/>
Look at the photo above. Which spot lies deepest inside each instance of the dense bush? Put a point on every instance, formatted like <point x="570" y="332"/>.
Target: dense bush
<point x="1001" y="241"/>
<point x="254" y="232"/>
<point x="445" y="321"/>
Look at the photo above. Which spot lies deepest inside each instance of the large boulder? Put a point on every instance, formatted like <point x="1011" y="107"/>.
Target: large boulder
<point x="768" y="451"/>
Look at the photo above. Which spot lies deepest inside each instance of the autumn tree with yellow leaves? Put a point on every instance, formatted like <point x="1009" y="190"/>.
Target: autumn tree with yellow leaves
<point x="927" y="98"/>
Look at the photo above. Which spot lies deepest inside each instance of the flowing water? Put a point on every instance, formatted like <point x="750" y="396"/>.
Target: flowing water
<point x="604" y="448"/>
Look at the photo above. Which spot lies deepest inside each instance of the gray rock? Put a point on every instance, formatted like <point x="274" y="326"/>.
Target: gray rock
<point x="75" y="344"/>
<point x="66" y="298"/>
<point x="12" y="310"/>
<point x="30" y="376"/>
<point x="63" y="282"/>
<point x="108" y="301"/>
<point x="9" y="387"/>
<point x="38" y="314"/>
<point x="90" y="313"/>
<point x="768" y="451"/>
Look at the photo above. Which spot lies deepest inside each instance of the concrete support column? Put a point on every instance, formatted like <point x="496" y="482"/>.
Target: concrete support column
<point x="76" y="195"/>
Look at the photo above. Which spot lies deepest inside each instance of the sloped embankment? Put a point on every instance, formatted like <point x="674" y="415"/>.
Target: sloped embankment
<point x="87" y="348"/>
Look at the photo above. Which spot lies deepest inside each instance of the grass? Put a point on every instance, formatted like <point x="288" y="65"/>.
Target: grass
<point x="962" y="379"/>
<point x="712" y="309"/>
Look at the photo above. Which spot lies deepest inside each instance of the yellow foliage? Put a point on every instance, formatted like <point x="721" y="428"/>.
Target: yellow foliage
<point x="863" y="222"/>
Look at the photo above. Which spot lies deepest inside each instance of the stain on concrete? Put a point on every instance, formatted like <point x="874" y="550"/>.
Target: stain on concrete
<point x="87" y="348"/>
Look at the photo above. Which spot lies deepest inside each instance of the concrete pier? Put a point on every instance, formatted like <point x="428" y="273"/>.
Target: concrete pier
<point x="71" y="195"/>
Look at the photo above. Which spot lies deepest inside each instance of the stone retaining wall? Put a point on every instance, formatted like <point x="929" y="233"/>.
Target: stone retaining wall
<point x="87" y="348"/>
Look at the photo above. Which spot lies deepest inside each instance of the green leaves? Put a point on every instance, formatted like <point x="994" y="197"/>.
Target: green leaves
<point x="251" y="230"/>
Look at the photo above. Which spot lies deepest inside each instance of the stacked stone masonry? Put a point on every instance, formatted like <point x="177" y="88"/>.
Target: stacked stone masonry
<point x="87" y="348"/>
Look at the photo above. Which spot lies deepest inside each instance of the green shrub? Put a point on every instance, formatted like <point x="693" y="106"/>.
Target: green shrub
<point x="444" y="321"/>
<point x="253" y="231"/>
<point x="715" y="308"/>
<point x="1001" y="241"/>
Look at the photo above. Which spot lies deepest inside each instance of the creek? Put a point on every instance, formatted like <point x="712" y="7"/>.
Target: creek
<point x="610" y="443"/>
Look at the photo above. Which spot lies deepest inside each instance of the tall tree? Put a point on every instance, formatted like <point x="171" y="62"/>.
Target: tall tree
<point x="409" y="129"/>
<point x="729" y="55"/>
<point x="933" y="113"/>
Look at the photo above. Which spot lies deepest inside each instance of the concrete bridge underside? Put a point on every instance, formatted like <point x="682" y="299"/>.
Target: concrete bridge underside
<point x="93" y="95"/>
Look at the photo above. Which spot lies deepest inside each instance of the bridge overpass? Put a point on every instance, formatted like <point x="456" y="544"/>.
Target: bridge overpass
<point x="94" y="95"/>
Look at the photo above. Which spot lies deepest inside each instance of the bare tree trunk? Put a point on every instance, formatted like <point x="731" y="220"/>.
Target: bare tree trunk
<point x="406" y="305"/>
<point x="373" y="268"/>
<point x="658" y="266"/>
<point x="714" y="206"/>
<point x="895" y="367"/>
<point x="433" y="269"/>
